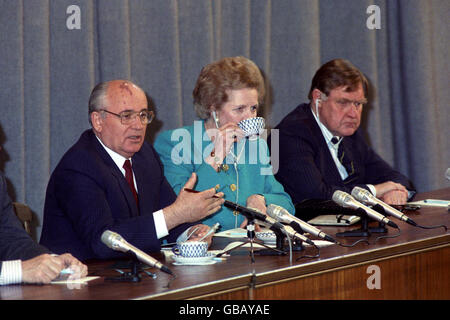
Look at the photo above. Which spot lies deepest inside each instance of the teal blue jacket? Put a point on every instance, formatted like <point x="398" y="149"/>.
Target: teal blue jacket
<point x="183" y="151"/>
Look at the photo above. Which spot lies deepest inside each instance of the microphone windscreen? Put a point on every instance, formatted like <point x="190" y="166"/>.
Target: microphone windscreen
<point x="108" y="237"/>
<point x="271" y="211"/>
<point x="339" y="197"/>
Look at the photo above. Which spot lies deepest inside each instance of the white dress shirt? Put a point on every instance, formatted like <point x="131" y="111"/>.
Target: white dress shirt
<point x="11" y="272"/>
<point x="333" y="147"/>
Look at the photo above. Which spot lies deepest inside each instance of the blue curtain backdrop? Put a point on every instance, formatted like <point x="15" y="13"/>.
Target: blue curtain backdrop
<point x="52" y="53"/>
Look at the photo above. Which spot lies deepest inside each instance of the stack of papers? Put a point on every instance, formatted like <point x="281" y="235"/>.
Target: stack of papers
<point x="431" y="203"/>
<point x="84" y="280"/>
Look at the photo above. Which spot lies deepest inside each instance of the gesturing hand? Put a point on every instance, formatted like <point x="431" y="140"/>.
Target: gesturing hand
<point x="191" y="207"/>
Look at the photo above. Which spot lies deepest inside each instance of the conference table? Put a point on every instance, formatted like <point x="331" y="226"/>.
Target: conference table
<point x="412" y="263"/>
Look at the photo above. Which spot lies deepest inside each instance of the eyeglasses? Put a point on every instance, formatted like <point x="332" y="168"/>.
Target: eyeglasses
<point x="127" y="117"/>
<point x="346" y="104"/>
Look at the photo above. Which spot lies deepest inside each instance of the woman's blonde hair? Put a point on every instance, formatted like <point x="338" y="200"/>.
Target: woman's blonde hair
<point x="215" y="79"/>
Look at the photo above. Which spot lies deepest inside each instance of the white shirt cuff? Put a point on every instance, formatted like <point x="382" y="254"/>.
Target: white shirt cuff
<point x="160" y="224"/>
<point x="372" y="189"/>
<point x="11" y="272"/>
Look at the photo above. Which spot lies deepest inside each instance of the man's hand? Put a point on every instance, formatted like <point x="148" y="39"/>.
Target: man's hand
<point x="45" y="268"/>
<point x="191" y="207"/>
<point x="395" y="197"/>
<point x="392" y="192"/>
<point x="79" y="270"/>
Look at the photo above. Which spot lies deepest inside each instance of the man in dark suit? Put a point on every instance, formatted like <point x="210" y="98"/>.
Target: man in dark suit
<point x="111" y="179"/>
<point x="321" y="149"/>
<point x="21" y="258"/>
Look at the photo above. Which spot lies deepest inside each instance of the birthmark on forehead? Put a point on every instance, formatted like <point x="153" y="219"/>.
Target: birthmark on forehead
<point x="125" y="87"/>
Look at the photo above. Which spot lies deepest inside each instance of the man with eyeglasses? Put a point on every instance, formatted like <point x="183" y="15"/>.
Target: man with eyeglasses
<point x="112" y="179"/>
<point x="321" y="149"/>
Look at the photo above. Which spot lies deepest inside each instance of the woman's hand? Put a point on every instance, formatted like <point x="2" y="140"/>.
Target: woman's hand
<point x="258" y="203"/>
<point x="202" y="229"/>
<point x="223" y="139"/>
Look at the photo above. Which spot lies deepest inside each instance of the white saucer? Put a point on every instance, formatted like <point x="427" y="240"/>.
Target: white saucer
<point x="268" y="237"/>
<point x="208" y="259"/>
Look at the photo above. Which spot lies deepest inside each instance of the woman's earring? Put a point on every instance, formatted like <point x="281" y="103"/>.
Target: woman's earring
<point x="216" y="119"/>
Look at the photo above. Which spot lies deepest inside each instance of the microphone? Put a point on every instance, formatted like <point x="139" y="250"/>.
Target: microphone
<point x="368" y="198"/>
<point x="347" y="201"/>
<point x="274" y="225"/>
<point x="281" y="214"/>
<point x="116" y="242"/>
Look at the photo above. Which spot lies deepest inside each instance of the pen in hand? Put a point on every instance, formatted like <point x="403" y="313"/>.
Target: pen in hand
<point x="195" y="191"/>
<point x="212" y="230"/>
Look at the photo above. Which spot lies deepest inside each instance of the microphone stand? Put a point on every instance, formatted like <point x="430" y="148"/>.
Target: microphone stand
<point x="364" y="231"/>
<point x="279" y="250"/>
<point x="297" y="244"/>
<point x="381" y="225"/>
<point x="134" y="274"/>
<point x="251" y="235"/>
<point x="251" y="239"/>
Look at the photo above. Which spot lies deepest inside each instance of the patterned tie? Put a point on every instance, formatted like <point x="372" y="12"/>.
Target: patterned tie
<point x="346" y="162"/>
<point x="129" y="178"/>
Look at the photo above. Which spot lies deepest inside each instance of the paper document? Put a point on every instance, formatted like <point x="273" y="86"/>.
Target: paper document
<point x="81" y="280"/>
<point x="431" y="203"/>
<point x="232" y="233"/>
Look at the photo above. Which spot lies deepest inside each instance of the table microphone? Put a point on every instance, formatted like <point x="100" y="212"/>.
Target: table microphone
<point x="281" y="214"/>
<point x="254" y="214"/>
<point x="368" y="198"/>
<point x="116" y="242"/>
<point x="347" y="201"/>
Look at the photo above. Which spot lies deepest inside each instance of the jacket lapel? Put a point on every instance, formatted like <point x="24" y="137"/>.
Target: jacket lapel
<point x="328" y="166"/>
<point x="115" y="171"/>
<point x="125" y="188"/>
<point x="139" y="174"/>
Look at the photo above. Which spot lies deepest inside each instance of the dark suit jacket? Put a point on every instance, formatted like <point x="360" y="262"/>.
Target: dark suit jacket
<point x="88" y="194"/>
<point x="307" y="169"/>
<point x="15" y="243"/>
